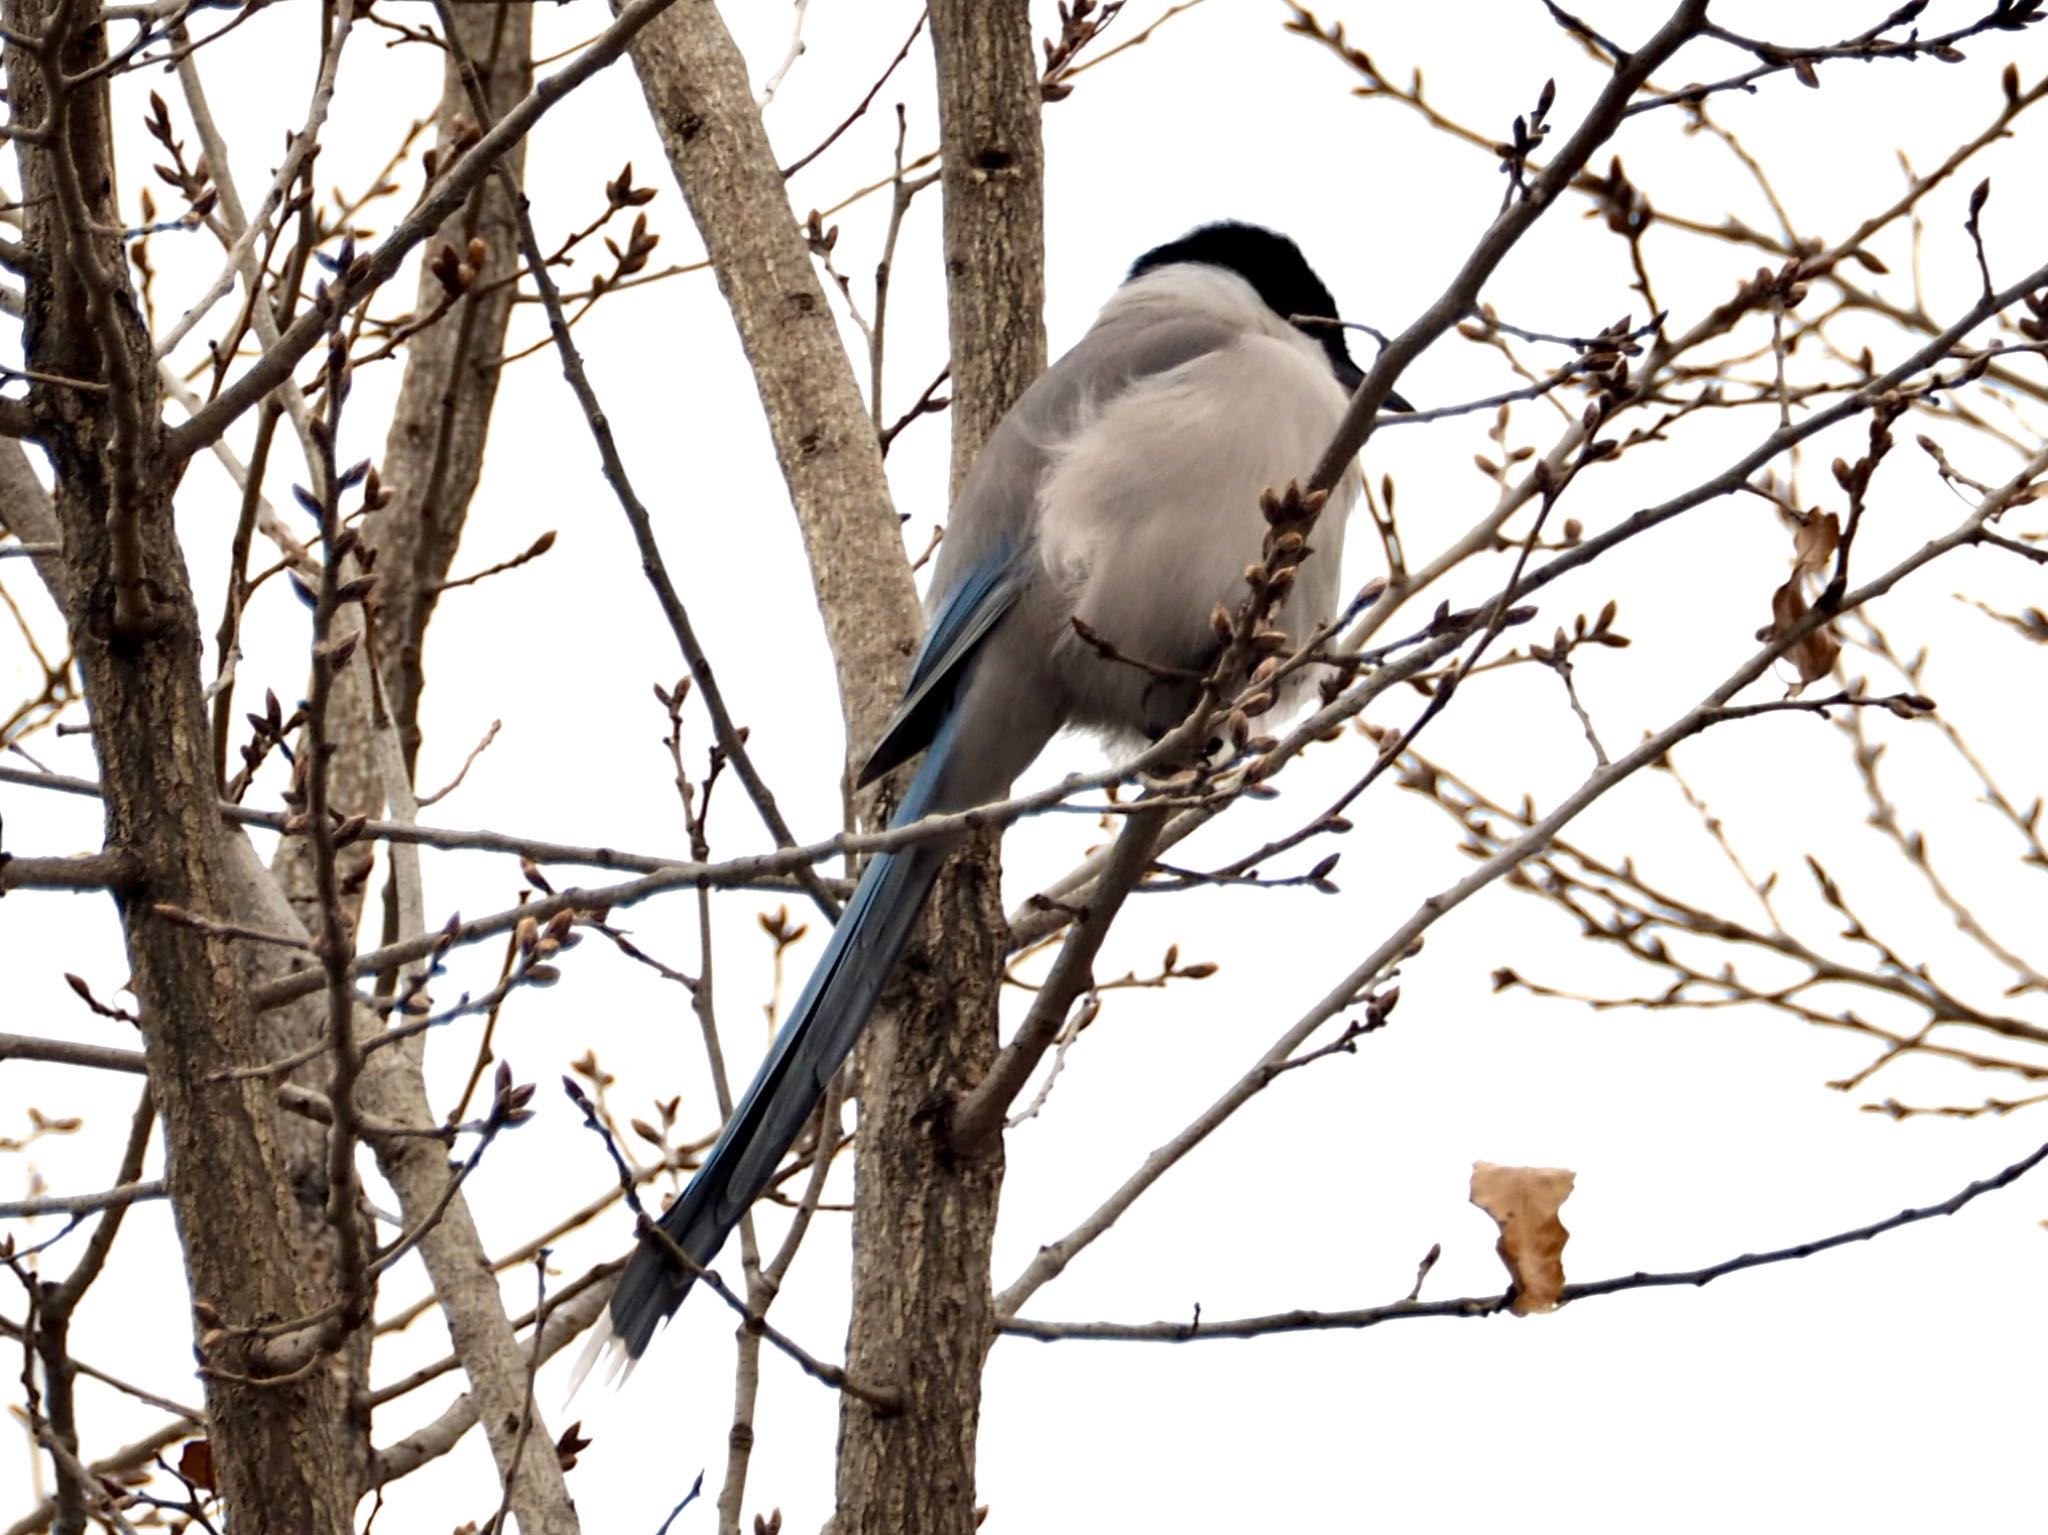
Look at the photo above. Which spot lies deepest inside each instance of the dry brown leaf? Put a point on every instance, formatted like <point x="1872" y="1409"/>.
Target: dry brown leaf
<point x="1813" y="654"/>
<point x="1814" y="544"/>
<point x="195" y="1463"/>
<point x="1523" y="1202"/>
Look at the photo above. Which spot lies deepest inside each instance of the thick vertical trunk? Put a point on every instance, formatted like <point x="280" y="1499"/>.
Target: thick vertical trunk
<point x="924" y="1220"/>
<point x="280" y="1450"/>
<point x="992" y="176"/>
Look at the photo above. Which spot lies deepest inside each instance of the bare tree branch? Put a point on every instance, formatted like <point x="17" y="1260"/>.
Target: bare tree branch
<point x="1199" y="1328"/>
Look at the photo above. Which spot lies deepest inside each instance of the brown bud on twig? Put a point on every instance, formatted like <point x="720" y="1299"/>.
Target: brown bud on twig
<point x="623" y="194"/>
<point x="338" y="652"/>
<point x="448" y="271"/>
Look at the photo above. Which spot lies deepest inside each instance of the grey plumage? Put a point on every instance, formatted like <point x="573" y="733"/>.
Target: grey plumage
<point x="1122" y="489"/>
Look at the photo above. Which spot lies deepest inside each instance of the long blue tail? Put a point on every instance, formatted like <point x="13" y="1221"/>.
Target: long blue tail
<point x="812" y="1045"/>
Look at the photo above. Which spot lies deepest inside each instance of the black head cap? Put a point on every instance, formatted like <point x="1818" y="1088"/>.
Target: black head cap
<point x="1277" y="271"/>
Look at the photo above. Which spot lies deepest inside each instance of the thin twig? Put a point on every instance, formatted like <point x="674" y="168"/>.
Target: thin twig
<point x="866" y="101"/>
<point x="116" y="1198"/>
<point x="1202" y="1329"/>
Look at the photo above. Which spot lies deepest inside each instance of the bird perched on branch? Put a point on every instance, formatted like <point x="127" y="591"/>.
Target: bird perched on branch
<point x="1106" y="517"/>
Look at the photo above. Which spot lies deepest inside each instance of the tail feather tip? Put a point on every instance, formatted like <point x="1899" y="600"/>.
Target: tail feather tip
<point x="604" y="1342"/>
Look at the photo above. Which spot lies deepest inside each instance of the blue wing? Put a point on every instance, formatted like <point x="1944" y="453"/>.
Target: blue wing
<point x="964" y="618"/>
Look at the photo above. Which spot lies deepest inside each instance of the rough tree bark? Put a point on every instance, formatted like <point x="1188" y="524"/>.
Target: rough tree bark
<point x="924" y="1218"/>
<point x="992" y="177"/>
<point x="280" y="1448"/>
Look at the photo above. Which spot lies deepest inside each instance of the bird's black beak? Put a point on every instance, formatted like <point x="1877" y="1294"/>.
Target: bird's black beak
<point x="1350" y="375"/>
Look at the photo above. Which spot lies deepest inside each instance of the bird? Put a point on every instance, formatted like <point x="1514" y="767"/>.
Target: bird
<point x="1120" y="493"/>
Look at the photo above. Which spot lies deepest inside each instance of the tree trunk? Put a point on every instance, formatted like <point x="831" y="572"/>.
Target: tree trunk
<point x="924" y="1219"/>
<point x="992" y="176"/>
<point x="280" y="1450"/>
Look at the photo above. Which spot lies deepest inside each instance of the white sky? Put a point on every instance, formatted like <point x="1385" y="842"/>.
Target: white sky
<point x="1886" y="1386"/>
